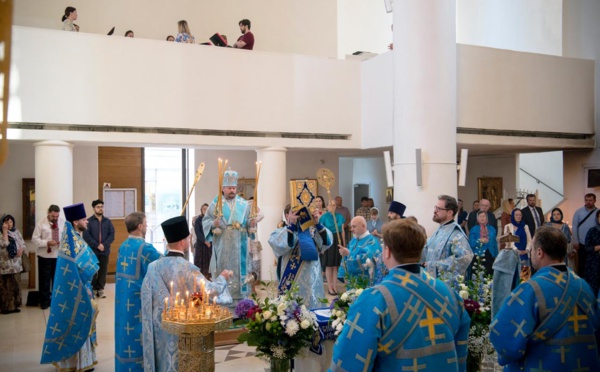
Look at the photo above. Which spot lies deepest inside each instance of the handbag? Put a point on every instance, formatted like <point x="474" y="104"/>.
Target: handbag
<point x="26" y="263"/>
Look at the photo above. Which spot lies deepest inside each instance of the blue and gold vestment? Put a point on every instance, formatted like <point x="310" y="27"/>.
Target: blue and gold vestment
<point x="230" y="247"/>
<point x="548" y="324"/>
<point x="410" y="321"/>
<point x="361" y="249"/>
<point x="70" y="339"/>
<point x="306" y="274"/>
<point x="135" y="255"/>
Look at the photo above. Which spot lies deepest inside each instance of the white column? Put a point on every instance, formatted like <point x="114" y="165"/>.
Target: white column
<point x="53" y="176"/>
<point x="424" y="104"/>
<point x="272" y="199"/>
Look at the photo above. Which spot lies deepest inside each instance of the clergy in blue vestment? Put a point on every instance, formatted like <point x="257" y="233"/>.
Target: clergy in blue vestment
<point x="548" y="323"/>
<point x="134" y="257"/>
<point x="447" y="251"/>
<point x="70" y="342"/>
<point x="170" y="273"/>
<point x="229" y="237"/>
<point x="364" y="248"/>
<point x="408" y="322"/>
<point x="299" y="244"/>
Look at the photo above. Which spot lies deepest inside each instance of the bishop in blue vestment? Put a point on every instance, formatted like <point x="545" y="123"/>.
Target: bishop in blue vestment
<point x="360" y="255"/>
<point x="549" y="322"/>
<point x="160" y="347"/>
<point x="408" y="322"/>
<point x="70" y="342"/>
<point x="229" y="236"/>
<point x="300" y="250"/>
<point x="134" y="257"/>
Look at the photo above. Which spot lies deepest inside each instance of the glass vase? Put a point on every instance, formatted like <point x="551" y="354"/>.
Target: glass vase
<point x="280" y="365"/>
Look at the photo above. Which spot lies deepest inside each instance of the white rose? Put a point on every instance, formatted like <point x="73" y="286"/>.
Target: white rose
<point x="267" y="314"/>
<point x="359" y="291"/>
<point x="273" y="318"/>
<point x="344" y="296"/>
<point x="305" y="324"/>
<point x="464" y="294"/>
<point x="339" y="327"/>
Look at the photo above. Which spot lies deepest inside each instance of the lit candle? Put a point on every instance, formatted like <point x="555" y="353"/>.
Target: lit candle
<point x="176" y="298"/>
<point x="208" y="313"/>
<point x="187" y="296"/>
<point x="171" y="292"/>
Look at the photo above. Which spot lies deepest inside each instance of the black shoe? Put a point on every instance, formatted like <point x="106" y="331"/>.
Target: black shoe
<point x="43" y="307"/>
<point x="5" y="312"/>
<point x="16" y="311"/>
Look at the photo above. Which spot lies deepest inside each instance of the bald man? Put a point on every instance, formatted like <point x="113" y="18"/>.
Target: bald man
<point x="484" y="205"/>
<point x="362" y="247"/>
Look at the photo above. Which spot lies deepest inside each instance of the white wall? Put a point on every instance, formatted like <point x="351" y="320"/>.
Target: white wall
<point x="148" y="83"/>
<point x="546" y="167"/>
<point x="499" y="89"/>
<point x="523" y="25"/>
<point x="85" y="175"/>
<point x="304" y="27"/>
<point x="371" y="171"/>
<point x="19" y="165"/>
<point x="377" y="97"/>
<point x="363" y="26"/>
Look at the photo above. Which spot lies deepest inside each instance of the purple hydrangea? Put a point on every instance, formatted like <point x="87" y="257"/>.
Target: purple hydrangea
<point x="241" y="310"/>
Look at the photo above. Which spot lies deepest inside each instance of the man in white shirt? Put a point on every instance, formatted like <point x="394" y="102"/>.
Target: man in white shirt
<point x="46" y="237"/>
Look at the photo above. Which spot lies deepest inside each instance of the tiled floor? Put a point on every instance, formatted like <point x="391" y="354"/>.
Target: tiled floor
<point x="22" y="337"/>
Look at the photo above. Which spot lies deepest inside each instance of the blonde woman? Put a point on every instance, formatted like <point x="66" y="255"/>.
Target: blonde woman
<point x="184" y="35"/>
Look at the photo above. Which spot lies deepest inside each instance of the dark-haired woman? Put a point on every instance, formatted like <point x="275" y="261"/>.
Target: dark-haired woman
<point x="556" y="221"/>
<point x="68" y="18"/>
<point x="11" y="249"/>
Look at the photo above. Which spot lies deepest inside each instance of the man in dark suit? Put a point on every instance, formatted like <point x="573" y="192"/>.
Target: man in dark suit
<point x="484" y="205"/>
<point x="532" y="216"/>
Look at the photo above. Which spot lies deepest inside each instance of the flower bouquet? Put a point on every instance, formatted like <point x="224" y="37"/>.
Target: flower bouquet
<point x="281" y="329"/>
<point x="340" y="306"/>
<point x="477" y="296"/>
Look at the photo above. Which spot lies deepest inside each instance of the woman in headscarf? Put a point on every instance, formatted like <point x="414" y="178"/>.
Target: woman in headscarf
<point x="518" y="227"/>
<point x="592" y="263"/>
<point x="374" y="225"/>
<point x="482" y="238"/>
<point x="11" y="249"/>
<point x="556" y="221"/>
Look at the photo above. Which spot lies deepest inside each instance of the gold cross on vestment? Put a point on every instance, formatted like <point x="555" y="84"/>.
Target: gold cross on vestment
<point x="559" y="278"/>
<point x="430" y="322"/>
<point x="575" y="318"/>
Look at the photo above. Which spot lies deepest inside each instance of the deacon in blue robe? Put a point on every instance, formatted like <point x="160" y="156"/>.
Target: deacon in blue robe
<point x="408" y="322"/>
<point x="160" y="347"/>
<point x="363" y="248"/>
<point x="229" y="237"/>
<point x="292" y="244"/>
<point x="549" y="322"/>
<point x="134" y="257"/>
<point x="447" y="252"/>
<point x="70" y="342"/>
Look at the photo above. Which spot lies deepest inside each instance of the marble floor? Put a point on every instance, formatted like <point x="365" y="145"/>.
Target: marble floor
<point x="22" y="337"/>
